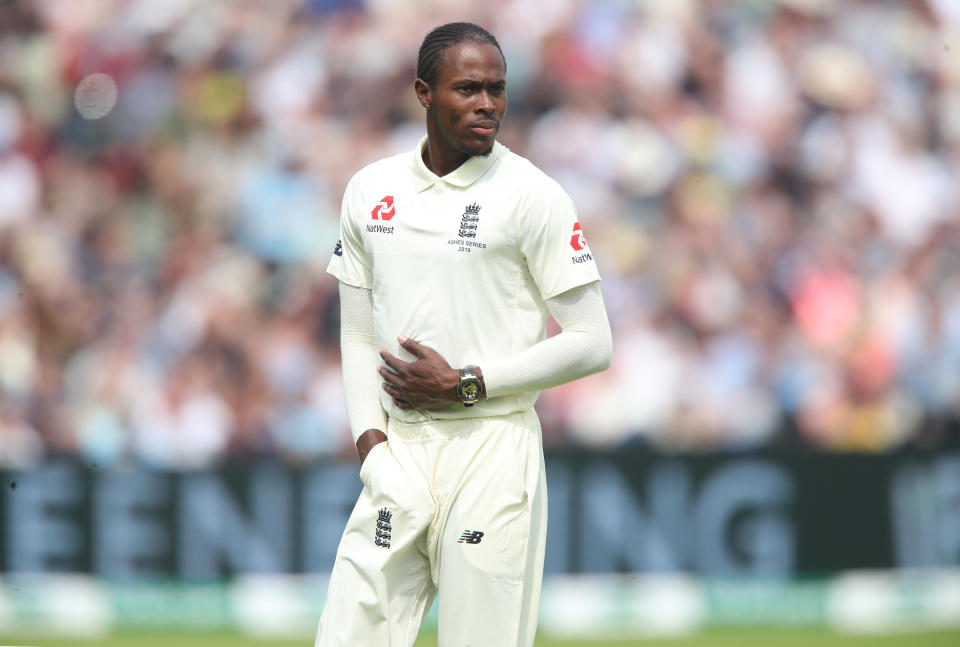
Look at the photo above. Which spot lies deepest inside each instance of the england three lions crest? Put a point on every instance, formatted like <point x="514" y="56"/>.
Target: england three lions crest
<point x="382" y="535"/>
<point x="469" y="220"/>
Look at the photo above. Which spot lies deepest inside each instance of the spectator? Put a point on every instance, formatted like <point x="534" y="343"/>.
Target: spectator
<point x="769" y="185"/>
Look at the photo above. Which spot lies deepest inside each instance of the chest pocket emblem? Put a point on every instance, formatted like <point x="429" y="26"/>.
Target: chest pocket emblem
<point x="469" y="220"/>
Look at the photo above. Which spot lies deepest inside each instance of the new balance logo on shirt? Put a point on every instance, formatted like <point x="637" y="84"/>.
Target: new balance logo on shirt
<point x="470" y="537"/>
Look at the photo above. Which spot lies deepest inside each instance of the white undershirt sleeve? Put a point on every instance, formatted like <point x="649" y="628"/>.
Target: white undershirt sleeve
<point x="360" y="359"/>
<point x="584" y="346"/>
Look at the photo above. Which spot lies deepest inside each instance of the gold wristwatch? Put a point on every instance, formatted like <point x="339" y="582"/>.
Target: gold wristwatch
<point x="468" y="388"/>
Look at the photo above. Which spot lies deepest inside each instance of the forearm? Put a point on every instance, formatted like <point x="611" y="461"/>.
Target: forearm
<point x="360" y="361"/>
<point x="560" y="359"/>
<point x="584" y="346"/>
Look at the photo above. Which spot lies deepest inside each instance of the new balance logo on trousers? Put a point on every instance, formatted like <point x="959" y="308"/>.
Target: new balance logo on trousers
<point x="470" y="537"/>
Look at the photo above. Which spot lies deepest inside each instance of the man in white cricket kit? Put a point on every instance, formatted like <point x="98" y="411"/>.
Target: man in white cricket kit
<point x="450" y="261"/>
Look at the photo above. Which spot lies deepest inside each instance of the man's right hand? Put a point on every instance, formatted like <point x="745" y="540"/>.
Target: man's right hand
<point x="368" y="440"/>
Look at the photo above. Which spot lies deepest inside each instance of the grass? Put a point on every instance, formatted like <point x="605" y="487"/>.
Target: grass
<point x="713" y="638"/>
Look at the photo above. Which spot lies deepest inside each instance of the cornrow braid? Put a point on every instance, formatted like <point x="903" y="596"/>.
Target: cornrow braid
<point x="445" y="36"/>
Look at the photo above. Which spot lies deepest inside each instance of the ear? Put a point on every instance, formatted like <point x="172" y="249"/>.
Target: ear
<point x="424" y="93"/>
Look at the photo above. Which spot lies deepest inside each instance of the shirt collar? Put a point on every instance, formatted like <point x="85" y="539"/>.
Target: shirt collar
<point x="465" y="175"/>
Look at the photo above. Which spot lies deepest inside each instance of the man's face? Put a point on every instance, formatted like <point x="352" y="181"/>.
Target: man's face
<point x="468" y="98"/>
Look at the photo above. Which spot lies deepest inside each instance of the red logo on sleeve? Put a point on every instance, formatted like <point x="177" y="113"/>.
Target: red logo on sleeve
<point x="384" y="210"/>
<point x="577" y="241"/>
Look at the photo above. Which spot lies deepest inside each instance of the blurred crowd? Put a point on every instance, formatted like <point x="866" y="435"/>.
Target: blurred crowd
<point x="770" y="188"/>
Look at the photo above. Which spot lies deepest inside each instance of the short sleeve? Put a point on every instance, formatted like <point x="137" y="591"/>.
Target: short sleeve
<point x="350" y="261"/>
<point x="554" y="243"/>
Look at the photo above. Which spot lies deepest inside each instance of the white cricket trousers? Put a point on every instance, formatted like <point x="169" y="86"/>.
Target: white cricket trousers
<point x="457" y="507"/>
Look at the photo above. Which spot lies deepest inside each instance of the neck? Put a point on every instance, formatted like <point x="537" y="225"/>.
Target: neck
<point x="440" y="160"/>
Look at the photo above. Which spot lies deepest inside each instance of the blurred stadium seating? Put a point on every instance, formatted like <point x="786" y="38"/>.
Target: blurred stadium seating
<point x="770" y="189"/>
<point x="769" y="186"/>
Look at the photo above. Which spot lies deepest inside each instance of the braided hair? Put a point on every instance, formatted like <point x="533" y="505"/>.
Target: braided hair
<point x="445" y="36"/>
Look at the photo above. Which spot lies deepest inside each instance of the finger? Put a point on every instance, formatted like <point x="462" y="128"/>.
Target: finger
<point x="393" y="361"/>
<point x="390" y="376"/>
<point x="397" y="395"/>
<point x="411" y="345"/>
<point x="393" y="389"/>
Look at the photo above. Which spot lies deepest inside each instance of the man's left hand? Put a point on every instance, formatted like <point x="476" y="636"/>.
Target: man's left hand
<point x="428" y="382"/>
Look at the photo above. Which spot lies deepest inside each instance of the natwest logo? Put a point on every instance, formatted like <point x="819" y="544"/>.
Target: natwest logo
<point x="577" y="241"/>
<point x="384" y="210"/>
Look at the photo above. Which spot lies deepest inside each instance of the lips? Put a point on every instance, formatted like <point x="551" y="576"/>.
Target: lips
<point x="485" y="128"/>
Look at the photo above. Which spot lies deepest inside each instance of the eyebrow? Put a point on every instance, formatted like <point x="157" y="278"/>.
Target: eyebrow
<point x="468" y="80"/>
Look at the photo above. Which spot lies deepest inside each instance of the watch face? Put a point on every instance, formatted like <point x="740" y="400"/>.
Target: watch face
<point x="469" y="390"/>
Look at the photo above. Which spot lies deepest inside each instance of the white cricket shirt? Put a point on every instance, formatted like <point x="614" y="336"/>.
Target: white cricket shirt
<point x="461" y="263"/>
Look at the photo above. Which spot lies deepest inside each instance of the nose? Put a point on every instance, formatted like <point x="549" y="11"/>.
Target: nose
<point x="485" y="102"/>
